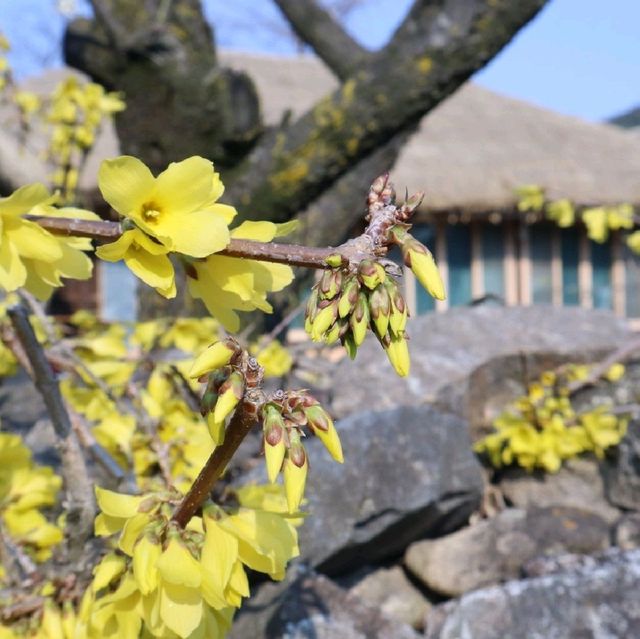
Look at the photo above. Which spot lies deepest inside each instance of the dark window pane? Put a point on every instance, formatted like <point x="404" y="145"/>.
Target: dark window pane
<point x="601" y="261"/>
<point x="459" y="262"/>
<point x="540" y="251"/>
<point x="570" y="240"/>
<point x="493" y="259"/>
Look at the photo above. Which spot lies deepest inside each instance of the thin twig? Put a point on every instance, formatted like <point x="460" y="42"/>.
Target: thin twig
<point x="619" y="355"/>
<point x="19" y="566"/>
<point x="239" y="426"/>
<point x="292" y="254"/>
<point x="181" y="385"/>
<point x="81" y="508"/>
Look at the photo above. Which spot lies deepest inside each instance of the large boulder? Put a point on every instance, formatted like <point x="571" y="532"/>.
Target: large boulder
<point x="599" y="598"/>
<point x="578" y="483"/>
<point x="622" y="470"/>
<point x="316" y="607"/>
<point x="496" y="549"/>
<point x="408" y="473"/>
<point x="449" y="350"/>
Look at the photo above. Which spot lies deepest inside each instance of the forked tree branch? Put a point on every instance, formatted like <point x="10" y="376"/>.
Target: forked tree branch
<point x="316" y="27"/>
<point x="76" y="477"/>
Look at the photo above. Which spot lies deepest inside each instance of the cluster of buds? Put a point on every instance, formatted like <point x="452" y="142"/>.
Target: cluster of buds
<point x="228" y="372"/>
<point x="284" y="415"/>
<point x="344" y="304"/>
<point x="354" y="295"/>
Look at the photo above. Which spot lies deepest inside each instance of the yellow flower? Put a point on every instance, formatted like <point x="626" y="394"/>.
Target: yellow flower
<point x="175" y="208"/>
<point x="228" y="284"/>
<point x="146" y="258"/>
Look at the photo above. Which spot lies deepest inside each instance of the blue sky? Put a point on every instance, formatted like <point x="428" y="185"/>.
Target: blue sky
<point x="579" y="57"/>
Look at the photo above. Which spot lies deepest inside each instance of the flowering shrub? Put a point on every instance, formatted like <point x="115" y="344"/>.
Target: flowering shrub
<point x="161" y="407"/>
<point x="542" y="429"/>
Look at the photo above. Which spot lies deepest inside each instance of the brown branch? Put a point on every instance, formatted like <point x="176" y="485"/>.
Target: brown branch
<point x="78" y="484"/>
<point x="239" y="426"/>
<point x="116" y="33"/>
<point x="289" y="168"/>
<point x="292" y="254"/>
<point x="316" y="27"/>
<point x="619" y="355"/>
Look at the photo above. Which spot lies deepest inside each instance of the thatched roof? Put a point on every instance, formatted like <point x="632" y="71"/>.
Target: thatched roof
<point x="473" y="150"/>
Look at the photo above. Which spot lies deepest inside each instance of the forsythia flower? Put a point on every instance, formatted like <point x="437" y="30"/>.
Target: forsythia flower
<point x="24" y="488"/>
<point x="177" y="211"/>
<point x="32" y="257"/>
<point x="228" y="284"/>
<point x="175" y="582"/>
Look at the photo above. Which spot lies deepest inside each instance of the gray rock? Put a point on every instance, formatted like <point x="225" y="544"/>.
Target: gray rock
<point x="446" y="348"/>
<point x="622" y="470"/>
<point x="577" y="484"/>
<point x="389" y="590"/>
<point x="408" y="473"/>
<point x="495" y="550"/>
<point x="316" y="608"/>
<point x="594" y="601"/>
<point x="627" y="532"/>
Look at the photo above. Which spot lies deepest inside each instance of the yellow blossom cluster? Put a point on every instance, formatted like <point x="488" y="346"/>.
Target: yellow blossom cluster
<point x="166" y="581"/>
<point x="73" y="114"/>
<point x="26" y="488"/>
<point x="599" y="221"/>
<point x="30" y="256"/>
<point x="178" y="212"/>
<point x="542" y="429"/>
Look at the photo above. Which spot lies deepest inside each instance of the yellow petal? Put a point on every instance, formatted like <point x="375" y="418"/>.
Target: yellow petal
<point x="125" y="183"/>
<point x="178" y="566"/>
<point x="215" y="356"/>
<point x="115" y="251"/>
<point x="294" y="481"/>
<point x="197" y="233"/>
<point x="110" y="567"/>
<point x="251" y="230"/>
<point x="132" y="531"/>
<point x="31" y="240"/>
<point x="13" y="273"/>
<point x="274" y="456"/>
<point x="117" y="504"/>
<point x="184" y="186"/>
<point x="154" y="270"/>
<point x="425" y="269"/>
<point x="23" y="200"/>
<point x="180" y="608"/>
<point x="145" y="557"/>
<point x="225" y="404"/>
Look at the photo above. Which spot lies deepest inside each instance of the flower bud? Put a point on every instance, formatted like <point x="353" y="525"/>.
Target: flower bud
<point x="369" y="273"/>
<point x="216" y="429"/>
<point x="216" y="356"/>
<point x="380" y="308"/>
<point x="350" y="345"/>
<point x="334" y="260"/>
<point x="419" y="259"/>
<point x="359" y="319"/>
<point x="323" y="427"/>
<point x="349" y="297"/>
<point x="295" y="474"/>
<point x="324" y="319"/>
<point x="399" y="312"/>
<point x="230" y="394"/>
<point x="330" y="283"/>
<point x="398" y="354"/>
<point x="274" y="446"/>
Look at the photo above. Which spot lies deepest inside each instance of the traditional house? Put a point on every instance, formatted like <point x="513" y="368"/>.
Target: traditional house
<point x="469" y="155"/>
